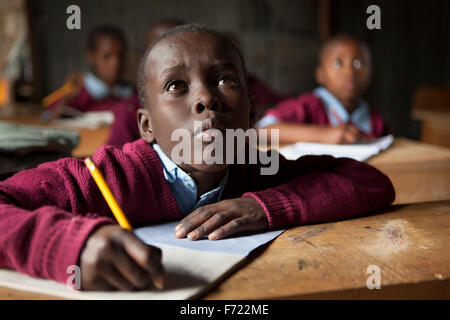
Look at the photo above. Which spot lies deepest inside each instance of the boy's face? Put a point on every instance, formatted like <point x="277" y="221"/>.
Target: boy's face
<point x="345" y="70"/>
<point x="194" y="77"/>
<point x="107" y="59"/>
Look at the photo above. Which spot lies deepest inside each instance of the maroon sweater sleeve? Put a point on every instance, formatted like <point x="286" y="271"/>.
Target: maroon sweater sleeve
<point x="290" y="110"/>
<point x="47" y="213"/>
<point x="41" y="233"/>
<point x="325" y="189"/>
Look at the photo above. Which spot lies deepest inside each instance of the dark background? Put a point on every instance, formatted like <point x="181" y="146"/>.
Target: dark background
<point x="279" y="40"/>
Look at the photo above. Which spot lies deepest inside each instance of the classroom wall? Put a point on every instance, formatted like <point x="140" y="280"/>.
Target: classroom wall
<point x="279" y="38"/>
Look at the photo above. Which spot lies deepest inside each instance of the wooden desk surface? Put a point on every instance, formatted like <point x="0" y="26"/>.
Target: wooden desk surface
<point x="408" y="243"/>
<point x="420" y="172"/>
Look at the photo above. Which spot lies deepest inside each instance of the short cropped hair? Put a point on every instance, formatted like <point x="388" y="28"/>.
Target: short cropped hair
<point x="104" y="31"/>
<point x="341" y="38"/>
<point x="142" y="76"/>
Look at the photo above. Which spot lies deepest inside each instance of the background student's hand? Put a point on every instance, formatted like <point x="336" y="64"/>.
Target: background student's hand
<point x="114" y="258"/>
<point x="61" y="108"/>
<point x="342" y="134"/>
<point x="222" y="219"/>
<point x="77" y="80"/>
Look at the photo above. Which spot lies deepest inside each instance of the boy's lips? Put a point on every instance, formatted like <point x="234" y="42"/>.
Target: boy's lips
<point x="208" y="134"/>
<point x="208" y="130"/>
<point x="350" y="85"/>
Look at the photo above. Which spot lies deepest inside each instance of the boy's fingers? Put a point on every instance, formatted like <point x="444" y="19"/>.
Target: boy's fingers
<point x="128" y="267"/>
<point x="99" y="284"/>
<point x="215" y="221"/>
<point x="350" y="136"/>
<point x="231" y="227"/>
<point x="148" y="257"/>
<point x="116" y="279"/>
<point x="194" y="219"/>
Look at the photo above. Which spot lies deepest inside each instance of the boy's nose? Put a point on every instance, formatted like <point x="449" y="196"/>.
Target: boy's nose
<point x="349" y="72"/>
<point x="206" y="100"/>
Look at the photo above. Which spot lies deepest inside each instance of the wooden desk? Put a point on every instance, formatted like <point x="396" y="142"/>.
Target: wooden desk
<point x="408" y="243"/>
<point x="420" y="172"/>
<point x="435" y="126"/>
<point x="90" y="139"/>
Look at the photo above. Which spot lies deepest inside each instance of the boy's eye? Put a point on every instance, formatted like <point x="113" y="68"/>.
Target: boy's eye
<point x="337" y="63"/>
<point x="226" y="80"/>
<point x="357" y="64"/>
<point x="176" y="85"/>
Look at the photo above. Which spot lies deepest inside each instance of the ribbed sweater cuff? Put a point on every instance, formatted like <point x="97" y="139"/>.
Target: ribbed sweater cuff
<point x="280" y="211"/>
<point x="65" y="243"/>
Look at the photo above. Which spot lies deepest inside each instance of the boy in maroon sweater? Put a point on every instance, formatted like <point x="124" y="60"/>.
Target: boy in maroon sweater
<point x="54" y="216"/>
<point x="334" y="113"/>
<point x="101" y="87"/>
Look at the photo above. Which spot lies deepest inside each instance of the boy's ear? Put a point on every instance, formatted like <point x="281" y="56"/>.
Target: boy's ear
<point x="145" y="125"/>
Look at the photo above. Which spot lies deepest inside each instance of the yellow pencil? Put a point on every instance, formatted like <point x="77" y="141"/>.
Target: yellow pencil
<point x="115" y="208"/>
<point x="107" y="194"/>
<point x="58" y="94"/>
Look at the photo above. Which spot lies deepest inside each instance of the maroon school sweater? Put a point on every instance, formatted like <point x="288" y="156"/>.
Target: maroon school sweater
<point x="308" y="108"/>
<point x="85" y="102"/>
<point x="48" y="213"/>
<point x="124" y="128"/>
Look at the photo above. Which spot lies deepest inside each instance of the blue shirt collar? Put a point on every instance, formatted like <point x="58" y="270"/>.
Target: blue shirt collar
<point x="100" y="90"/>
<point x="360" y="117"/>
<point x="184" y="187"/>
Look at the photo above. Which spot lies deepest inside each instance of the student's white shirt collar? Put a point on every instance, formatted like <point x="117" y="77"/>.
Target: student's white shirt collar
<point x="360" y="117"/>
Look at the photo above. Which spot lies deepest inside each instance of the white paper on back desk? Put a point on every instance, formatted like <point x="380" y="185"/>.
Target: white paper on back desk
<point x="192" y="267"/>
<point x="87" y="120"/>
<point x="357" y="151"/>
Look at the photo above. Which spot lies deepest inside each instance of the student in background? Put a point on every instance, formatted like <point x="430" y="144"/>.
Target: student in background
<point x="101" y="88"/>
<point x="160" y="28"/>
<point x="54" y="216"/>
<point x="125" y="128"/>
<point x="334" y="113"/>
<point x="264" y="96"/>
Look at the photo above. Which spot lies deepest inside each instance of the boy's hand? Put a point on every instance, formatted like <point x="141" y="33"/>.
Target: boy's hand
<point x="77" y="80"/>
<point x="342" y="134"/>
<point x="114" y="258"/>
<point x="222" y="219"/>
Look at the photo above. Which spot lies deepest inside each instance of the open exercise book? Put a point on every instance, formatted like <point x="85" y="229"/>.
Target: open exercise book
<point x="357" y="151"/>
<point x="192" y="267"/>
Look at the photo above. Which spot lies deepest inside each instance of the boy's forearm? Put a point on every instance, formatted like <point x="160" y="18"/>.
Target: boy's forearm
<point x="43" y="242"/>
<point x="349" y="189"/>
